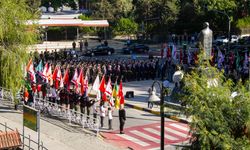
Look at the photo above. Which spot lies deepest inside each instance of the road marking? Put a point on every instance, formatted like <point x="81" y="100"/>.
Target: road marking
<point x="179" y="126"/>
<point x="132" y="139"/>
<point x="148" y="137"/>
<point x="168" y="147"/>
<point x="158" y="133"/>
<point x="175" y="132"/>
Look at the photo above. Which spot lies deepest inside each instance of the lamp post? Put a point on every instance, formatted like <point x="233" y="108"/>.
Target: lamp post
<point x="160" y="84"/>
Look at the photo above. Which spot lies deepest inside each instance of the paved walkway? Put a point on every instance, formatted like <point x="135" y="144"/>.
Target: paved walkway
<point x="56" y="134"/>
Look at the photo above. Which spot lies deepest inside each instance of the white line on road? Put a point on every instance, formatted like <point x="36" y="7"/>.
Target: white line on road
<point x="175" y="132"/>
<point x="148" y="137"/>
<point x="158" y="133"/>
<point x="167" y="147"/>
<point x="132" y="139"/>
<point x="179" y="126"/>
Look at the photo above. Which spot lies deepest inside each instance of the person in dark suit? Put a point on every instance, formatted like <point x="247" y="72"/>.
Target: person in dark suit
<point x="122" y="118"/>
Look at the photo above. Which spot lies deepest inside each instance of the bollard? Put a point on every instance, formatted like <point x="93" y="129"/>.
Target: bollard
<point x="29" y="142"/>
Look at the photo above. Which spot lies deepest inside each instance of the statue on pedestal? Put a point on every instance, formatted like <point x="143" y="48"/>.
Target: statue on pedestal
<point x="205" y="41"/>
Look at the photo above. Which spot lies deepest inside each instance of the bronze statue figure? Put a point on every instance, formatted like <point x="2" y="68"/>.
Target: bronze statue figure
<point x="205" y="41"/>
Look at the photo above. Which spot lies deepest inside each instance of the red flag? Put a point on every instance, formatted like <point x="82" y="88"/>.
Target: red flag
<point x="58" y="77"/>
<point x="104" y="97"/>
<point x="102" y="85"/>
<point x="74" y="79"/>
<point x="80" y="81"/>
<point x="45" y="69"/>
<point x="31" y="71"/>
<point x="66" y="78"/>
<point x="108" y="89"/>
<point x="169" y="53"/>
<point x="120" y="93"/>
<point x="55" y="73"/>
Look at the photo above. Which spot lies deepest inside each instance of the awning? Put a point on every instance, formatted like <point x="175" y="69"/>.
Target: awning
<point x="10" y="139"/>
<point x="69" y="22"/>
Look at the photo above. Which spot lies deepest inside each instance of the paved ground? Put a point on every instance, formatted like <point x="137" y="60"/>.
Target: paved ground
<point x="141" y="136"/>
<point x="148" y="136"/>
<point x="140" y="99"/>
<point x="56" y="135"/>
<point x="52" y="45"/>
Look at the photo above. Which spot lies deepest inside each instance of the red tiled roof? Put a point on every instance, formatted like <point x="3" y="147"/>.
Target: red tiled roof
<point x="10" y="139"/>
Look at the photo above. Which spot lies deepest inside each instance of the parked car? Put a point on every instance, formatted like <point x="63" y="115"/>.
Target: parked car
<point x="244" y="40"/>
<point x="135" y="48"/>
<point x="100" y="50"/>
<point x="221" y="39"/>
<point x="234" y="39"/>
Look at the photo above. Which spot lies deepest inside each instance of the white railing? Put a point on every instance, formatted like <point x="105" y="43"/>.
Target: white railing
<point x="72" y="116"/>
<point x="6" y="94"/>
<point x="56" y="110"/>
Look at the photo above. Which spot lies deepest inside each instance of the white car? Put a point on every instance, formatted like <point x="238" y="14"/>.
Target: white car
<point x="234" y="39"/>
<point x="221" y="39"/>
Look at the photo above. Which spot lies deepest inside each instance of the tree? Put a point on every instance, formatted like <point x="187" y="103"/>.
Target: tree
<point x="103" y="10"/>
<point x="112" y="9"/>
<point x="123" y="8"/>
<point x="158" y="15"/>
<point x="15" y="37"/>
<point x="219" y="118"/>
<point x="33" y="5"/>
<point x="223" y="5"/>
<point x="126" y="26"/>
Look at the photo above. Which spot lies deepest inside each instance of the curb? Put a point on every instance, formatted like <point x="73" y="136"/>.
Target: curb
<point x="157" y="113"/>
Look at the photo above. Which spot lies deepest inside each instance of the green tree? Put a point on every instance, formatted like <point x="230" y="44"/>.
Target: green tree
<point x="157" y="15"/>
<point x="103" y="9"/>
<point x="223" y="5"/>
<point x="123" y="8"/>
<point x="112" y="9"/>
<point x="34" y="5"/>
<point x="126" y="26"/>
<point x="219" y="119"/>
<point x="15" y="37"/>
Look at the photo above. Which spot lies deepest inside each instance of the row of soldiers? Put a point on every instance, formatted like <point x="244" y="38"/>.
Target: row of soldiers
<point x="125" y="68"/>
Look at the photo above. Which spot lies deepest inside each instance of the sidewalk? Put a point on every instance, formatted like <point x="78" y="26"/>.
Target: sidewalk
<point x="140" y="101"/>
<point x="55" y="134"/>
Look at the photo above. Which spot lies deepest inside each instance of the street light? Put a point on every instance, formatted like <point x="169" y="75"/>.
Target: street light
<point x="154" y="97"/>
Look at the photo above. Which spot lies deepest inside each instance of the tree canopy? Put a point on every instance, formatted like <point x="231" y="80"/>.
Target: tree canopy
<point x="15" y="37"/>
<point x="126" y="26"/>
<point x="220" y="112"/>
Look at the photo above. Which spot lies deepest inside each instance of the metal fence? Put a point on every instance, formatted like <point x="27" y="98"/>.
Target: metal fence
<point x="29" y="144"/>
<point x="6" y="94"/>
<point x="56" y="110"/>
